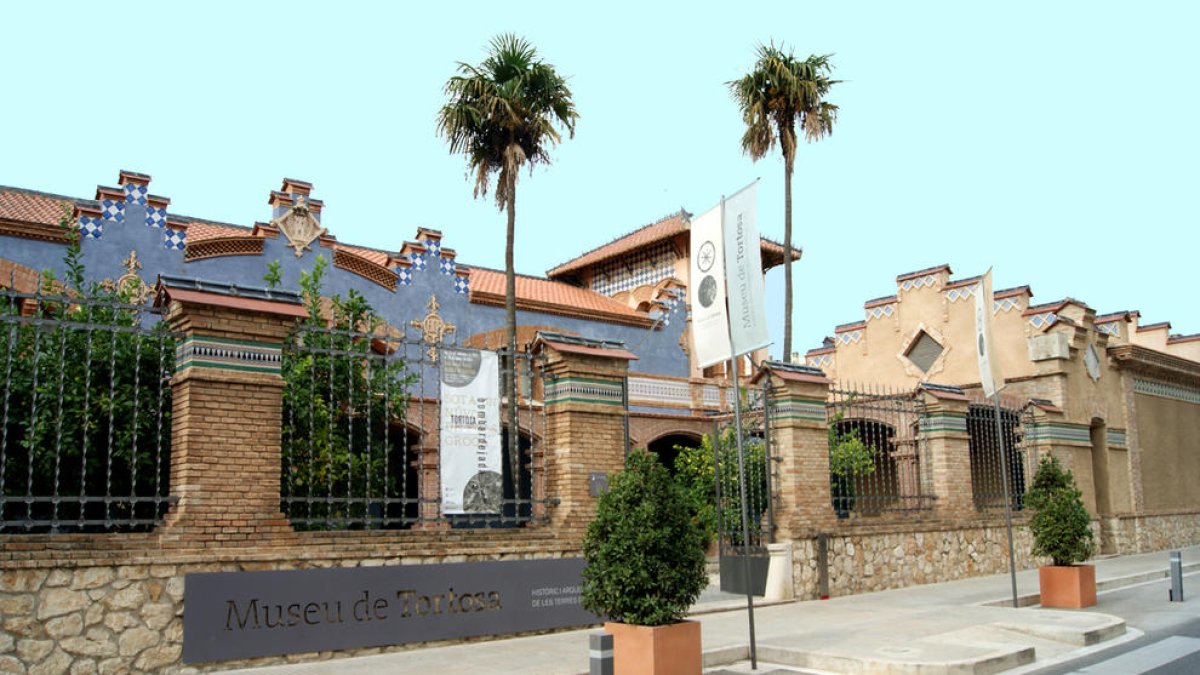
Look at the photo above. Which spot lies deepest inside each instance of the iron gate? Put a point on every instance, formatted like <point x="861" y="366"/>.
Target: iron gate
<point x="737" y="540"/>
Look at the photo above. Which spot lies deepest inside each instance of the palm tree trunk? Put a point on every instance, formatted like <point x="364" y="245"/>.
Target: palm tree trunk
<point x="788" y="164"/>
<point x="510" y="329"/>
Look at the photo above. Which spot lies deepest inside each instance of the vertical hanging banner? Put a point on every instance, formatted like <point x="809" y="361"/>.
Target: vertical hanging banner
<point x="710" y="321"/>
<point x="470" y="431"/>
<point x="989" y="371"/>
<point x="743" y="265"/>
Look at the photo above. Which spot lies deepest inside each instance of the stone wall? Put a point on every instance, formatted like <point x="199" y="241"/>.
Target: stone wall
<point x="1156" y="532"/>
<point x="874" y="558"/>
<point x="127" y="616"/>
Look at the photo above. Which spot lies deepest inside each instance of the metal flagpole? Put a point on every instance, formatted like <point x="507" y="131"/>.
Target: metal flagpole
<point x="1012" y="563"/>
<point x="737" y="425"/>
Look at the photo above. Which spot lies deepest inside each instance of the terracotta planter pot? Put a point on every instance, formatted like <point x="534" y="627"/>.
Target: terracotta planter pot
<point x="1070" y="586"/>
<point x="673" y="649"/>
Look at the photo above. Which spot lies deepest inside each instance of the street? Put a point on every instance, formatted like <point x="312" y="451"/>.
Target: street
<point x="1171" y="641"/>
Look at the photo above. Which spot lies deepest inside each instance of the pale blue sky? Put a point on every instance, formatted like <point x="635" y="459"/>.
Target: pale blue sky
<point x="1055" y="141"/>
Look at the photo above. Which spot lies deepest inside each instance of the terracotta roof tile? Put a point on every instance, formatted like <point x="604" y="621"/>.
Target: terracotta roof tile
<point x="534" y="294"/>
<point x="369" y="254"/>
<point x="198" y="230"/>
<point x="32" y="207"/>
<point x="657" y="231"/>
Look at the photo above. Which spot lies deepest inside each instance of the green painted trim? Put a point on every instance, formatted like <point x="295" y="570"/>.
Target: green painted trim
<point x="231" y="341"/>
<point x="1060" y="431"/>
<point x="580" y="399"/>
<point x="222" y="365"/>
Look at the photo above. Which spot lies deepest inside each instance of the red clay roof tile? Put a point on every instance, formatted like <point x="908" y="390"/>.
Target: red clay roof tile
<point x="32" y="207"/>
<point x="487" y="287"/>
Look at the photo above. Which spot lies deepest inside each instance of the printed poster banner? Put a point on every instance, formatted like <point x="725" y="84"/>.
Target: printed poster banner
<point x="470" y="432"/>
<point x="710" y="322"/>
<point x="989" y="372"/>
<point x="743" y="267"/>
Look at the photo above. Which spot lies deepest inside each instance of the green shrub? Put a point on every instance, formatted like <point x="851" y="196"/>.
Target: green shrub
<point x="1061" y="525"/>
<point x="695" y="474"/>
<point x="644" y="550"/>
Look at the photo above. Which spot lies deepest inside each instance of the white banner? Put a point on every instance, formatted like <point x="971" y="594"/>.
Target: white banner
<point x="989" y="371"/>
<point x="470" y="431"/>
<point x="743" y="265"/>
<point x="710" y="322"/>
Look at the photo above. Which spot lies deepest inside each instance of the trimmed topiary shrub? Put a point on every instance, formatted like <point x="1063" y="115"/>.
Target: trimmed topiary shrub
<point x="645" y="549"/>
<point x="1061" y="525"/>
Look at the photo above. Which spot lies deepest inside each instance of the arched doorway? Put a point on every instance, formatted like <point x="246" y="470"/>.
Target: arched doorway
<point x="872" y="489"/>
<point x="666" y="448"/>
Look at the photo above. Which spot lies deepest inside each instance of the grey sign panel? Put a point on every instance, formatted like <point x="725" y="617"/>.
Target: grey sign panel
<point x="238" y="615"/>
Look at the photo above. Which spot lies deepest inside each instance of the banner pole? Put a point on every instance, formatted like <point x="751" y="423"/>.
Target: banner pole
<point x="1012" y="563"/>
<point x="745" y="508"/>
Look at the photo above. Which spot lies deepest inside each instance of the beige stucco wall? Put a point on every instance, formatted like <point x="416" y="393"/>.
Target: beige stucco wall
<point x="946" y="315"/>
<point x="1169" y="437"/>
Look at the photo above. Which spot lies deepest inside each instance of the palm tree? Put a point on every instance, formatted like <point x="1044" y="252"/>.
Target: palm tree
<point x="503" y="114"/>
<point x="777" y="93"/>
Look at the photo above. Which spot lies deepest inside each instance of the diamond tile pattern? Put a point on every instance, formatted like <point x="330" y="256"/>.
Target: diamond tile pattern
<point x="112" y="210"/>
<point x="1040" y="320"/>
<point x="417" y="260"/>
<point x="155" y="217"/>
<point x="174" y="239"/>
<point x="955" y="294"/>
<point x="919" y="282"/>
<point x="434" y="246"/>
<point x="640" y="268"/>
<point x="447" y="266"/>
<point x="404" y="276"/>
<point x="92" y="228"/>
<point x="849" y="337"/>
<point x="881" y="311"/>
<point x="462" y="285"/>
<point x="136" y="194"/>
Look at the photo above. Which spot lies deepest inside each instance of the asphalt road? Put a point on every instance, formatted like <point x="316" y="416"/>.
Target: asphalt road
<point x="1171" y="641"/>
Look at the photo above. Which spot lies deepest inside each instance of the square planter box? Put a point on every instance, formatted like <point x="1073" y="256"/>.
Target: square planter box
<point x="673" y="649"/>
<point x="1069" y="586"/>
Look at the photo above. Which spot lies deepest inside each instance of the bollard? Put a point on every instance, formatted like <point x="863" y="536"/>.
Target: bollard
<point x="600" y="651"/>
<point x="1176" y="592"/>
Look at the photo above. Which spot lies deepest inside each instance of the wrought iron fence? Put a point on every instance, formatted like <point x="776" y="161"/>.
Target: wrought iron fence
<point x="362" y="443"/>
<point x="878" y="454"/>
<point x="85" y="413"/>
<point x="986" y="446"/>
<point x="761" y="465"/>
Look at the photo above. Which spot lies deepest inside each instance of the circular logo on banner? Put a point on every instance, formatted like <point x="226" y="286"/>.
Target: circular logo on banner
<point x="706" y="256"/>
<point x="708" y="291"/>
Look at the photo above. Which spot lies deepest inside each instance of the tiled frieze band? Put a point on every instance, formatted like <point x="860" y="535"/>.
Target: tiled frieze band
<point x="584" y="390"/>
<point x="226" y="354"/>
<point x="1166" y="390"/>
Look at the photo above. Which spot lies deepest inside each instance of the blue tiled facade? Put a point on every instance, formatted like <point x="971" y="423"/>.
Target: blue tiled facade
<point x="136" y="223"/>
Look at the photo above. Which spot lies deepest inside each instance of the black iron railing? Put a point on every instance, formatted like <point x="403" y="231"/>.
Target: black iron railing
<point x="85" y="413"/>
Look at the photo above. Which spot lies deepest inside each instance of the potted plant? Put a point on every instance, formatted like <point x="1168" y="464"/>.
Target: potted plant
<point x="1062" y="532"/>
<point x="645" y="568"/>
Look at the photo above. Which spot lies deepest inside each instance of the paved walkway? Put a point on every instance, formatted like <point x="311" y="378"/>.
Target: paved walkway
<point x="963" y="626"/>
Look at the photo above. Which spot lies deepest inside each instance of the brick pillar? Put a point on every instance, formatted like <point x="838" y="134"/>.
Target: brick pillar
<point x="801" y="433"/>
<point x="1070" y="443"/>
<point x="226" y="412"/>
<point x="585" y="422"/>
<point x="945" y="427"/>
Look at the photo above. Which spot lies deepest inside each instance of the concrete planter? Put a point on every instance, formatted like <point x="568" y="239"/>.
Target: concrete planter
<point x="673" y="649"/>
<point x="1068" y="586"/>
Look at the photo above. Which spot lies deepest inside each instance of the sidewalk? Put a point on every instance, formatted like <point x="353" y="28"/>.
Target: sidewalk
<point x="963" y="626"/>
